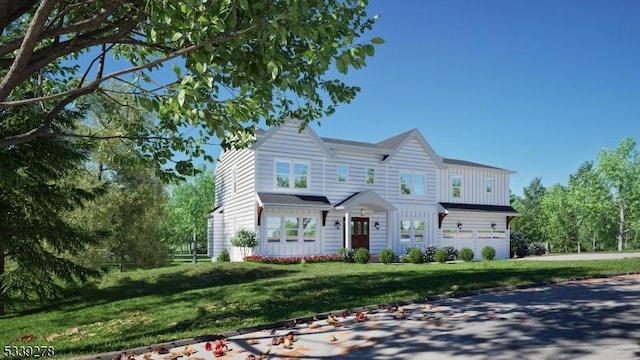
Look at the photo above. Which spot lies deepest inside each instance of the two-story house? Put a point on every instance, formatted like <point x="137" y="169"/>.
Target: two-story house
<point x="307" y="195"/>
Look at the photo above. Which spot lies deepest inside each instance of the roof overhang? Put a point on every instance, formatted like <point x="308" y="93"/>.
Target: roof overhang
<point x="502" y="209"/>
<point x="368" y="198"/>
<point x="293" y="200"/>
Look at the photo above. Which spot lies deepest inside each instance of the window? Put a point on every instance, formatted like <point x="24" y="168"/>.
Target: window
<point x="343" y="173"/>
<point x="456" y="184"/>
<point x="488" y="185"/>
<point x="405" y="230"/>
<point x="411" y="184"/>
<point x="291" y="225"/>
<point x="371" y="176"/>
<point x="309" y="229"/>
<point x="418" y="230"/>
<point x="291" y="175"/>
<point x="293" y="228"/>
<point x="449" y="234"/>
<point x="412" y="230"/>
<point x="273" y="229"/>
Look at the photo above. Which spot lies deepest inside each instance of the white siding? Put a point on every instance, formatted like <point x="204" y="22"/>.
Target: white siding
<point x="240" y="205"/>
<point x="473" y="189"/>
<point x="473" y="223"/>
<point x="290" y="145"/>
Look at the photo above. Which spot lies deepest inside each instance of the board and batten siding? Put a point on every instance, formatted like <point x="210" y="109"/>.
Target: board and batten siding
<point x="239" y="205"/>
<point x="473" y="190"/>
<point x="288" y="144"/>
<point x="474" y="222"/>
<point x="357" y="165"/>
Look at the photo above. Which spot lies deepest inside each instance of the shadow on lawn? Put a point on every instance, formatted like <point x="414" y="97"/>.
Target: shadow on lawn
<point x="166" y="284"/>
<point x="311" y="295"/>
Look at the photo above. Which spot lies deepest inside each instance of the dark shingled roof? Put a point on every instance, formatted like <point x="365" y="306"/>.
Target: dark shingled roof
<point x="467" y="163"/>
<point x="293" y="200"/>
<point x="477" y="207"/>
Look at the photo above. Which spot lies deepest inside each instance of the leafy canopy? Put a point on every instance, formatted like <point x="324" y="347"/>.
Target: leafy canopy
<point x="235" y="63"/>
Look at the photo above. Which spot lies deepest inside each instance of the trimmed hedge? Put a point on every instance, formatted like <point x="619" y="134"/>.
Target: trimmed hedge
<point x="386" y="256"/>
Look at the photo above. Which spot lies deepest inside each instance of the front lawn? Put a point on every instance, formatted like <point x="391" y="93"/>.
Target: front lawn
<point x="149" y="306"/>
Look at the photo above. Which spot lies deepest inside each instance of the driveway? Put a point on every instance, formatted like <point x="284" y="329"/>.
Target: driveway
<point x="586" y="319"/>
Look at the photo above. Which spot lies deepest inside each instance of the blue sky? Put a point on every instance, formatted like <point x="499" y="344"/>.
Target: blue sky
<point x="533" y="86"/>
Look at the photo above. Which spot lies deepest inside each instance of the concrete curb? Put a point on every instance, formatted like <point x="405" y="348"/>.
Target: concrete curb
<point x="322" y="316"/>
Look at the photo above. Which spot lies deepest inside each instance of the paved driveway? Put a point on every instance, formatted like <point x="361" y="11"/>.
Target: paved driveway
<point x="587" y="319"/>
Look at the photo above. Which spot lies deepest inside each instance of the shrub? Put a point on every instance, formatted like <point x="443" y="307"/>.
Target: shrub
<point x="441" y="255"/>
<point x="519" y="245"/>
<point x="429" y="252"/>
<point x="416" y="256"/>
<point x="386" y="256"/>
<point x="362" y="256"/>
<point x="536" y="249"/>
<point x="293" y="259"/>
<point x="347" y="255"/>
<point x="452" y="253"/>
<point x="488" y="253"/>
<point x="245" y="240"/>
<point x="224" y="256"/>
<point x="466" y="254"/>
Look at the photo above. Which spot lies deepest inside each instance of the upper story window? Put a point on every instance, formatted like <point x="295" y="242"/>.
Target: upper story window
<point x="343" y="173"/>
<point x="291" y="175"/>
<point x="456" y="186"/>
<point x="371" y="176"/>
<point x="488" y="185"/>
<point x="411" y="184"/>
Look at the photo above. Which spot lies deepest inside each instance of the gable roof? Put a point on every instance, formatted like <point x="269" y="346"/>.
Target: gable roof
<point x="367" y="198"/>
<point x="262" y="136"/>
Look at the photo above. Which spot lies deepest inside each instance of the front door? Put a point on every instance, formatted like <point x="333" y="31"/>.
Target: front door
<point x="360" y="232"/>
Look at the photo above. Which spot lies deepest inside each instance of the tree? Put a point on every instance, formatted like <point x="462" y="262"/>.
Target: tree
<point x="558" y="220"/>
<point x="620" y="170"/>
<point x="530" y="222"/>
<point x="38" y="187"/>
<point x="188" y="205"/>
<point x="235" y="63"/>
<point x="592" y="205"/>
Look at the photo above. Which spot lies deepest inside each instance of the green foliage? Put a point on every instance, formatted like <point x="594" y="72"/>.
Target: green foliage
<point x="386" y="256"/>
<point x="188" y="204"/>
<point x="488" y="253"/>
<point x="347" y="255"/>
<point x="531" y="220"/>
<point x="519" y="244"/>
<point x="234" y="65"/>
<point x="40" y="185"/>
<point x="362" y="256"/>
<point x="224" y="256"/>
<point x="416" y="256"/>
<point x="429" y="252"/>
<point x="466" y="254"/>
<point x="245" y="240"/>
<point x="441" y="256"/>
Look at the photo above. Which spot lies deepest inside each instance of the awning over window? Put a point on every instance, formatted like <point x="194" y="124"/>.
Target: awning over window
<point x="293" y="200"/>
<point x="505" y="209"/>
<point x="274" y="199"/>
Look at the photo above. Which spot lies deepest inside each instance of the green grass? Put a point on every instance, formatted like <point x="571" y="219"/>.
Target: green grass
<point x="144" y="307"/>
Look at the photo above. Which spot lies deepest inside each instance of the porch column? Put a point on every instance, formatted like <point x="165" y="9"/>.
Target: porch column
<point x="347" y="230"/>
<point x="389" y="226"/>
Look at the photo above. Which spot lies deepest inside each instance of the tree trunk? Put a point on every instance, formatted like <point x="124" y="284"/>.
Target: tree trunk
<point x="2" y="297"/>
<point x="195" y="247"/>
<point x="621" y="227"/>
<point x="579" y="247"/>
<point x="121" y="265"/>
<point x="593" y="243"/>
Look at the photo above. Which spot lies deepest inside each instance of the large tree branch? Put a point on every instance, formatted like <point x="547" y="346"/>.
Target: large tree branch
<point x="31" y="39"/>
<point x="129" y="70"/>
<point x="10" y="10"/>
<point x="44" y="129"/>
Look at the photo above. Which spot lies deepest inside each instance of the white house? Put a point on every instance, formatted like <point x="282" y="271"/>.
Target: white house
<point x="308" y="195"/>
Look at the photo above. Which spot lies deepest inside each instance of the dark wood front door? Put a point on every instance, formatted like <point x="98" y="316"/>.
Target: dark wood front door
<point x="360" y="232"/>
